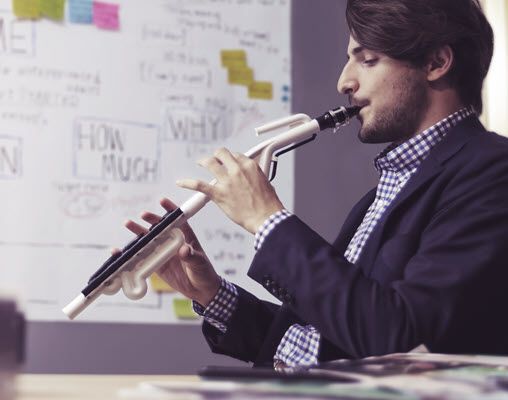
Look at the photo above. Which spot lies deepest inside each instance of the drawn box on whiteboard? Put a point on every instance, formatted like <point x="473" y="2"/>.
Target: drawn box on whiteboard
<point x="17" y="37"/>
<point x="116" y="151"/>
<point x="10" y="157"/>
<point x="192" y="125"/>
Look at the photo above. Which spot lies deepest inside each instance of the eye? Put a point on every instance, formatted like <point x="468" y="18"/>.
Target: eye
<point x="370" y="62"/>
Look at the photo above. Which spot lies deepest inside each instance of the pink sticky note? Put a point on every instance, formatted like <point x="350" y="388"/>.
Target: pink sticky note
<point x="105" y="15"/>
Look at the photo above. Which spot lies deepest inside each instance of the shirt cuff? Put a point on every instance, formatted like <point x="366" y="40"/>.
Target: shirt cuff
<point x="268" y="226"/>
<point x="221" y="308"/>
<point x="298" y="347"/>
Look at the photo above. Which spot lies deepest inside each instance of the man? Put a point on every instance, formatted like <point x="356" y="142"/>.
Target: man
<point x="421" y="258"/>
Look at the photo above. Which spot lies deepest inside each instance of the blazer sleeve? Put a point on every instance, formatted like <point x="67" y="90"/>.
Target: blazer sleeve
<point x="452" y="292"/>
<point x="247" y="329"/>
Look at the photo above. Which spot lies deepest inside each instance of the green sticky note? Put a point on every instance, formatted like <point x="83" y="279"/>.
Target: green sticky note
<point x="240" y="76"/>
<point x="26" y="8"/>
<point x="53" y="9"/>
<point x="233" y="58"/>
<point x="261" y="90"/>
<point x="183" y="309"/>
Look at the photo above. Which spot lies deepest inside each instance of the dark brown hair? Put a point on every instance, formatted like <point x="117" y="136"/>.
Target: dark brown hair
<point x="410" y="30"/>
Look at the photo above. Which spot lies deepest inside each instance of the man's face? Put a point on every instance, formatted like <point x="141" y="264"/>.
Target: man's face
<point x="393" y="94"/>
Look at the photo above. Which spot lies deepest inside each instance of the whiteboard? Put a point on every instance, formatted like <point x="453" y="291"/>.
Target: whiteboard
<point x="96" y="125"/>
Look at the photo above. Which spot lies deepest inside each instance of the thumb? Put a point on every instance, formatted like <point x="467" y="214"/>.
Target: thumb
<point x="190" y="255"/>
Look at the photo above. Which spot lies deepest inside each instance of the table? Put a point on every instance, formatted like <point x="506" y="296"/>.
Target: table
<point x="83" y="387"/>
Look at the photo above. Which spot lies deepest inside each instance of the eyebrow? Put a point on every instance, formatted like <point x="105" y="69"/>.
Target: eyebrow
<point x="356" y="50"/>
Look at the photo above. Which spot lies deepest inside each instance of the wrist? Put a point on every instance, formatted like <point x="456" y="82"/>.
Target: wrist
<point x="205" y="296"/>
<point x="262" y="217"/>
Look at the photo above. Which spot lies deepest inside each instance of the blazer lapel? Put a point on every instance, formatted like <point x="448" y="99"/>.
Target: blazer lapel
<point x="353" y="221"/>
<point x="430" y="167"/>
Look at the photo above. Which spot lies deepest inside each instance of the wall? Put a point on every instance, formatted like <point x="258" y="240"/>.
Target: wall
<point x="495" y="93"/>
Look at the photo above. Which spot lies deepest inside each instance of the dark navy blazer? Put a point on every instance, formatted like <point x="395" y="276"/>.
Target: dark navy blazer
<point x="434" y="270"/>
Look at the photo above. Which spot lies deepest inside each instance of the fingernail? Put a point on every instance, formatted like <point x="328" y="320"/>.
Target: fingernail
<point x="179" y="182"/>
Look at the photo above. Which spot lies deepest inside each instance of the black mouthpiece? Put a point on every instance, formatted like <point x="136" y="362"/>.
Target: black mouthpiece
<point x="337" y="117"/>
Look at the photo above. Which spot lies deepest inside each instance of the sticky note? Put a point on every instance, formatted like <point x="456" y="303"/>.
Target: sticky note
<point x="183" y="309"/>
<point x="261" y="90"/>
<point x="80" y="11"/>
<point x="105" y="15"/>
<point x="53" y="9"/>
<point x="233" y="58"/>
<point x="240" y="76"/>
<point x="160" y="285"/>
<point x="26" y="8"/>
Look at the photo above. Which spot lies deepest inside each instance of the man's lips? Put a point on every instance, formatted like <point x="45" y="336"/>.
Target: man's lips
<point x="359" y="116"/>
<point x="362" y="108"/>
<point x="362" y="105"/>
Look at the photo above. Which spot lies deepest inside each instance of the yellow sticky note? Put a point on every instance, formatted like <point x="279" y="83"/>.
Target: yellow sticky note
<point x="160" y="285"/>
<point x="261" y="90"/>
<point x="233" y="58"/>
<point x="183" y="309"/>
<point x="237" y="64"/>
<point x="53" y="9"/>
<point x="240" y="76"/>
<point x="26" y="8"/>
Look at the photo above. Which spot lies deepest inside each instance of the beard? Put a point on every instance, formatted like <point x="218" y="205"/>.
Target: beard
<point x="397" y="122"/>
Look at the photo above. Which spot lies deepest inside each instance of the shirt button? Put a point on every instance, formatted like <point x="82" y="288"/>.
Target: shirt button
<point x="288" y="299"/>
<point x="286" y="350"/>
<point x="267" y="281"/>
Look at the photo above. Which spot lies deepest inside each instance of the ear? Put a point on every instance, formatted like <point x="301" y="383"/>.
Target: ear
<point x="439" y="63"/>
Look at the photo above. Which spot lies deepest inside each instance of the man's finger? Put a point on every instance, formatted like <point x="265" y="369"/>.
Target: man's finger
<point x="151" y="218"/>
<point x="241" y="156"/>
<point x="167" y="204"/>
<point x="213" y="165"/>
<point x="115" y="250"/>
<point x="197" y="185"/>
<point x="187" y="230"/>
<point x="227" y="159"/>
<point x="135" y="228"/>
<point x="190" y="255"/>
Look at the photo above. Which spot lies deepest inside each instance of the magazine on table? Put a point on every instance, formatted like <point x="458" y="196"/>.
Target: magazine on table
<point x="401" y="376"/>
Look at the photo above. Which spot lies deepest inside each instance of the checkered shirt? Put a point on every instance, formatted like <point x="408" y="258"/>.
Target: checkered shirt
<point x="396" y="164"/>
<point x="221" y="308"/>
<point x="299" y="346"/>
<point x="271" y="222"/>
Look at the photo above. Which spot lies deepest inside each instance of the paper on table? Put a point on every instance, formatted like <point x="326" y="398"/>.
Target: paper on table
<point x="255" y="390"/>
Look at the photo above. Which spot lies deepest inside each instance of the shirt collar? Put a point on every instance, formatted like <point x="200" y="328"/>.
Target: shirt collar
<point x="409" y="155"/>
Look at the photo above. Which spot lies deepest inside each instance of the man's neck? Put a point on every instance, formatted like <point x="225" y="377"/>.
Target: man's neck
<point x="441" y="105"/>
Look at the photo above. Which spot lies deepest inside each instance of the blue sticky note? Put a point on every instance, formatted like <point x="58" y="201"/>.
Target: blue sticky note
<point x="80" y="11"/>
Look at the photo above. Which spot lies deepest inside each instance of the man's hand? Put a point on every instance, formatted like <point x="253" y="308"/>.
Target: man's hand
<point x="242" y="191"/>
<point x="189" y="271"/>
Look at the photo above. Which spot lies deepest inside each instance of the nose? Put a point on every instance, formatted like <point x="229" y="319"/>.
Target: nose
<point x="347" y="83"/>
